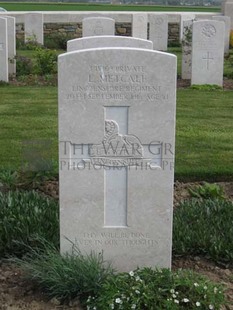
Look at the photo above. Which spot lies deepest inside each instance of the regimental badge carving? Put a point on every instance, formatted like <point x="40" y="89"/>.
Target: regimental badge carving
<point x="209" y="31"/>
<point x="116" y="150"/>
<point x="98" y="30"/>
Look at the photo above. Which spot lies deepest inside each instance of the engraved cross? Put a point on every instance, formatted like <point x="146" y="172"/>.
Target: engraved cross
<point x="208" y="58"/>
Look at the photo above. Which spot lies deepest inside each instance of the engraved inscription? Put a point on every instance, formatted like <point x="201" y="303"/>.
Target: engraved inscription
<point x="116" y="149"/>
<point x="209" y="31"/>
<point x="117" y="83"/>
<point x="117" y="239"/>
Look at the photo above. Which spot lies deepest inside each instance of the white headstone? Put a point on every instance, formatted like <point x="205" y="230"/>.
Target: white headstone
<point x="184" y="18"/>
<point x="98" y="26"/>
<point x="158" y="31"/>
<point x="116" y="131"/>
<point x="228" y="10"/>
<point x="227" y="21"/>
<point x="207" y="52"/>
<point x="11" y="44"/>
<point x="3" y="50"/>
<point x="34" y="27"/>
<point x="107" y="41"/>
<point x="187" y="50"/>
<point x="139" y="25"/>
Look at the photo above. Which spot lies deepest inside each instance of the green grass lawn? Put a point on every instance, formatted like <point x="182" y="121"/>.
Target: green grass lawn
<point x="99" y="7"/>
<point x="204" y="148"/>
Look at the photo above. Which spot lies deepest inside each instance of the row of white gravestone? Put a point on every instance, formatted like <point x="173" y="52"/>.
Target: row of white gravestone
<point x="7" y="48"/>
<point x="116" y="132"/>
<point x="95" y="26"/>
<point x="203" y="51"/>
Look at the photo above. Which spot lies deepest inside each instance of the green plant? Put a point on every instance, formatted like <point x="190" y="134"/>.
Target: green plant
<point x="24" y="216"/>
<point x="65" y="277"/>
<point x="57" y="40"/>
<point x="204" y="227"/>
<point x="206" y="191"/>
<point x="206" y="87"/>
<point x="9" y="178"/>
<point x="31" y="43"/>
<point x="45" y="61"/>
<point x="150" y="289"/>
<point x="23" y="65"/>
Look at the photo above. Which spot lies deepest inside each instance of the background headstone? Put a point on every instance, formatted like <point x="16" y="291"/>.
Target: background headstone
<point x="11" y="44"/>
<point x="98" y="26"/>
<point x="139" y="25"/>
<point x="107" y="41"/>
<point x="228" y="10"/>
<point x="3" y="50"/>
<point x="207" y="52"/>
<point x="183" y="18"/>
<point x="187" y="50"/>
<point x="227" y="21"/>
<point x="33" y="27"/>
<point x="158" y="31"/>
<point x="116" y="131"/>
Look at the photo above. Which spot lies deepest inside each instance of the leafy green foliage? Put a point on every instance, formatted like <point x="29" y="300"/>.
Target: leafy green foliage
<point x="23" y="217"/>
<point x="45" y="61"/>
<point x="150" y="289"/>
<point x="204" y="227"/>
<point x="23" y="65"/>
<point x="207" y="190"/>
<point x="9" y="179"/>
<point x="57" y="40"/>
<point x="65" y="277"/>
<point x="206" y="87"/>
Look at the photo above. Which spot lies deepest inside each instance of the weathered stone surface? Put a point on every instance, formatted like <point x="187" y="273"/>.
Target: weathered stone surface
<point x="116" y="131"/>
<point x="207" y="52"/>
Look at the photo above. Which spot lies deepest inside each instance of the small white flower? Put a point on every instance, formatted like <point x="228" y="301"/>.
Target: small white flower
<point x="198" y="304"/>
<point x="118" y="301"/>
<point x="176" y="301"/>
<point x="196" y="284"/>
<point x="133" y="306"/>
<point x="211" y="307"/>
<point x="94" y="308"/>
<point x="137" y="292"/>
<point x="131" y="273"/>
<point x="177" y="293"/>
<point x="215" y="290"/>
<point x="205" y="287"/>
<point x="174" y="295"/>
<point x="137" y="278"/>
<point x="185" y="300"/>
<point x="112" y="306"/>
<point x="204" y="296"/>
<point x="172" y="291"/>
